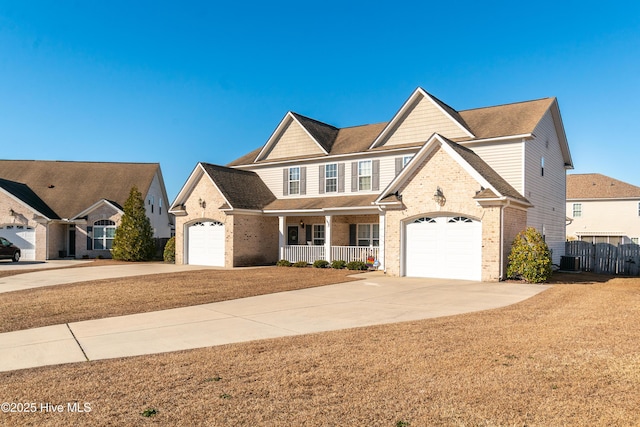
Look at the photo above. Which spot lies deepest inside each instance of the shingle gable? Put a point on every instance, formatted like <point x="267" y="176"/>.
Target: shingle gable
<point x="242" y="189"/>
<point x="323" y="133"/>
<point x="23" y="193"/>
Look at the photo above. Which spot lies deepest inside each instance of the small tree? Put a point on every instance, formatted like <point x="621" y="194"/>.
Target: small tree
<point x="134" y="237"/>
<point x="530" y="258"/>
<point x="169" y="253"/>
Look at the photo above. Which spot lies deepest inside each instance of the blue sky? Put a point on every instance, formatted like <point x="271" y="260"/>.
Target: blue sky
<point x="183" y="82"/>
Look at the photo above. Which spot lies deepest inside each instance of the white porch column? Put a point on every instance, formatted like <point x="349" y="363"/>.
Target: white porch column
<point x="327" y="237"/>
<point x="381" y="228"/>
<point x="282" y="232"/>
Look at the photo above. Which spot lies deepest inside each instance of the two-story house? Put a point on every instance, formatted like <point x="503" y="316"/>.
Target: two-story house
<point x="434" y="192"/>
<point x="602" y="209"/>
<point x="56" y="209"/>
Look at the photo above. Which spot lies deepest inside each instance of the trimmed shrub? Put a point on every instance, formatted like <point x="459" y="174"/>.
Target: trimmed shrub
<point x="320" y="263"/>
<point x="530" y="258"/>
<point x="338" y="264"/>
<point x="300" y="264"/>
<point x="169" y="254"/>
<point x="283" y="263"/>
<point x="356" y="265"/>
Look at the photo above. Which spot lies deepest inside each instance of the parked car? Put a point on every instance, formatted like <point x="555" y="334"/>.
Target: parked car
<point x="9" y="250"/>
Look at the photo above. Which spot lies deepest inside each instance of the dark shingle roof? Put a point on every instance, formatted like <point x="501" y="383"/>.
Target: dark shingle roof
<point x="598" y="186"/>
<point x="242" y="189"/>
<point x="323" y="133"/>
<point x="26" y="195"/>
<point x="488" y="122"/>
<point x="68" y="188"/>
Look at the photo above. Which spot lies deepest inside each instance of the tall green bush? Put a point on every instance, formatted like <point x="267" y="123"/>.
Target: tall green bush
<point x="134" y="236"/>
<point x="530" y="258"/>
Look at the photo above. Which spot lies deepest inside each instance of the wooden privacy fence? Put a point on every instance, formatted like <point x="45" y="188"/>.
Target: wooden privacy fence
<point x="605" y="258"/>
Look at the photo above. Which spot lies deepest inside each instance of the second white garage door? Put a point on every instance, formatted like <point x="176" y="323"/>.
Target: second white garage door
<point x="444" y="247"/>
<point x="206" y="243"/>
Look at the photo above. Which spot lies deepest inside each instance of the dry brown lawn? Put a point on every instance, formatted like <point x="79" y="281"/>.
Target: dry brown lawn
<point x="568" y="356"/>
<point x="98" y="299"/>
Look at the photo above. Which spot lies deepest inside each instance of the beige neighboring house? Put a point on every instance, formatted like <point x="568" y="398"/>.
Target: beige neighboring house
<point x="602" y="209"/>
<point x="434" y="192"/>
<point x="56" y="209"/>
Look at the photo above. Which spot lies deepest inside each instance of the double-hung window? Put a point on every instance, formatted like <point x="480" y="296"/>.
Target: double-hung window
<point x="331" y="178"/>
<point x="406" y="159"/>
<point x="577" y="210"/>
<point x="368" y="235"/>
<point x="318" y="234"/>
<point x="364" y="175"/>
<point x="294" y="180"/>
<point x="103" y="233"/>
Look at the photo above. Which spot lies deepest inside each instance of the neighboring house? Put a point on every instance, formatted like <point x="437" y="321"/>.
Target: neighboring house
<point x="602" y="209"/>
<point x="56" y="209"/>
<point x="434" y="192"/>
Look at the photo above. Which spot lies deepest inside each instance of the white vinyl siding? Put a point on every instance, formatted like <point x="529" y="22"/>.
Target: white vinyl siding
<point x="273" y="176"/>
<point x="294" y="141"/>
<point x="423" y="119"/>
<point x="546" y="193"/>
<point x="506" y="158"/>
<point x="605" y="218"/>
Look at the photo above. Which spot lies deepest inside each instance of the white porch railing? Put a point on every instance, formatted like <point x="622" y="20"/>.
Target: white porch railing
<point x="311" y="253"/>
<point x="308" y="253"/>
<point x="353" y="253"/>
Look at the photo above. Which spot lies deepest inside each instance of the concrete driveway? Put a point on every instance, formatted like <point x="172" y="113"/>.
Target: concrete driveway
<point x="46" y="277"/>
<point x="376" y="299"/>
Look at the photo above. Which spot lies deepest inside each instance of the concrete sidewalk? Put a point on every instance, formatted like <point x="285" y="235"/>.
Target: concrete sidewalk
<point x="376" y="299"/>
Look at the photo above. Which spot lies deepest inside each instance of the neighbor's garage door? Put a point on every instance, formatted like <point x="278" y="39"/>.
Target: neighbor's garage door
<point x="23" y="237"/>
<point x="444" y="247"/>
<point x="206" y="243"/>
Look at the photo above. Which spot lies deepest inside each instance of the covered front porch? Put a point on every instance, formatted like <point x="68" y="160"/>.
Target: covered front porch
<point x="356" y="237"/>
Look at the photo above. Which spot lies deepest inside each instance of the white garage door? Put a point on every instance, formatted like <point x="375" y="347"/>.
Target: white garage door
<point x="23" y="237"/>
<point x="444" y="247"/>
<point x="206" y="243"/>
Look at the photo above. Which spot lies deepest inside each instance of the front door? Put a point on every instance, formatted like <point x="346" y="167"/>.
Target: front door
<point x="292" y="235"/>
<point x="72" y="242"/>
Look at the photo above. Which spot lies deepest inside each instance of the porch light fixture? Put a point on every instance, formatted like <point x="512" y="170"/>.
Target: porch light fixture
<point x="301" y="224"/>
<point x="202" y="203"/>
<point x="12" y="212"/>
<point x="438" y="197"/>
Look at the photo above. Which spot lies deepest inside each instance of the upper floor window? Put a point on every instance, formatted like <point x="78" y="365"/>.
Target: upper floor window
<point x="577" y="210"/>
<point x="638" y="208"/>
<point x="103" y="233"/>
<point x="331" y="178"/>
<point x="541" y="166"/>
<point x="294" y="180"/>
<point x="364" y="175"/>
<point x="406" y="159"/>
<point x="160" y="206"/>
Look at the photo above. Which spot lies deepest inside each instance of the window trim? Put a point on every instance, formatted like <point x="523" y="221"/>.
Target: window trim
<point x="103" y="224"/>
<point x="333" y="179"/>
<point x="369" y="175"/>
<point x="576" y="210"/>
<point x="373" y="235"/>
<point x="293" y="181"/>
<point x="316" y="230"/>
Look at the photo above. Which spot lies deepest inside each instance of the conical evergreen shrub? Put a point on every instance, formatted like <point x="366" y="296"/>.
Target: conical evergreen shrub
<point x="134" y="236"/>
